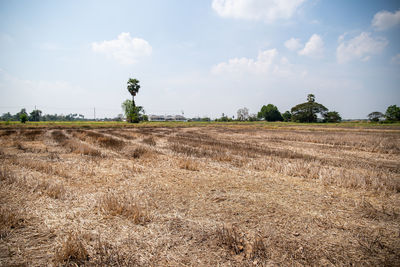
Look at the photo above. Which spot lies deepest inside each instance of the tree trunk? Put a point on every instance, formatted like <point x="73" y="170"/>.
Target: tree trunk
<point x="133" y="101"/>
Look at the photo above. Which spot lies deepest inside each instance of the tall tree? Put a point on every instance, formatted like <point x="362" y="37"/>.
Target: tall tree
<point x="375" y="116"/>
<point x="133" y="88"/>
<point x="307" y="112"/>
<point x="35" y="115"/>
<point x="332" y="116"/>
<point x="243" y="114"/>
<point x="270" y="113"/>
<point x="287" y="116"/>
<point x="393" y="113"/>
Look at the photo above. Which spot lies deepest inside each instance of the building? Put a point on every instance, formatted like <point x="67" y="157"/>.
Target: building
<point x="167" y="118"/>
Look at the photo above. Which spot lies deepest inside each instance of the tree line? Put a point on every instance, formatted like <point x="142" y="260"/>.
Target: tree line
<point x="309" y="111"/>
<point x="36" y="115"/>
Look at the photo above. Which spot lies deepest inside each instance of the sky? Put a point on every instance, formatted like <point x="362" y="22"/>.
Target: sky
<point x="200" y="58"/>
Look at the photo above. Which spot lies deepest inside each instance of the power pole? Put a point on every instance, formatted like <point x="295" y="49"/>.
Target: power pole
<point x="94" y="113"/>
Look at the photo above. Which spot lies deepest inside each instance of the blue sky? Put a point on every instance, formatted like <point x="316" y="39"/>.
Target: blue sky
<point x="201" y="57"/>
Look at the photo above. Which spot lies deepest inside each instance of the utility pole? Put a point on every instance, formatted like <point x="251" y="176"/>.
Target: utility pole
<point x="94" y="113"/>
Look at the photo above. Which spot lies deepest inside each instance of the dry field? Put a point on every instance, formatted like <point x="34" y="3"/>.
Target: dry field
<point x="200" y="196"/>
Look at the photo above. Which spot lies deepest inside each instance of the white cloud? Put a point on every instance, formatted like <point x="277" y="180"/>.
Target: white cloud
<point x="360" y="47"/>
<point x="314" y="47"/>
<point x="396" y="59"/>
<point x="267" y="61"/>
<point x="125" y="49"/>
<point x="385" y="19"/>
<point x="293" y="44"/>
<point x="266" y="10"/>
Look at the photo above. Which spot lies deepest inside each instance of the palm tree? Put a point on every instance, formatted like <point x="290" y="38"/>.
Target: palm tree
<point x="133" y="88"/>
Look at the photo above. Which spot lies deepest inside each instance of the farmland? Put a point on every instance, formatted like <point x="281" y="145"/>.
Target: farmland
<point x="199" y="195"/>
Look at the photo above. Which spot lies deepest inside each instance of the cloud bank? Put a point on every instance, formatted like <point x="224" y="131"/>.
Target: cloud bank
<point x="125" y="49"/>
<point x="360" y="47"/>
<point x="384" y="20"/>
<point x="265" y="10"/>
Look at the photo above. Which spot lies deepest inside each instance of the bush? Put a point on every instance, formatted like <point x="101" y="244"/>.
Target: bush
<point x="23" y="117"/>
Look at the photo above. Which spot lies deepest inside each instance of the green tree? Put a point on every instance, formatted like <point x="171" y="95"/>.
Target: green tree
<point x="23" y="117"/>
<point x="307" y="112"/>
<point x="375" y="116"/>
<point x="332" y="116"/>
<point x="393" y="113"/>
<point x="270" y="113"/>
<point x="133" y="113"/>
<point x="35" y="115"/>
<point x="133" y="88"/>
<point x="287" y="116"/>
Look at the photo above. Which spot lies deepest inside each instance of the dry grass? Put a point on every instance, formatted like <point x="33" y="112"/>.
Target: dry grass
<point x="188" y="164"/>
<point x="10" y="219"/>
<point x="123" y="204"/>
<point x="71" y="252"/>
<point x="137" y="152"/>
<point x="238" y="195"/>
<point x="149" y="141"/>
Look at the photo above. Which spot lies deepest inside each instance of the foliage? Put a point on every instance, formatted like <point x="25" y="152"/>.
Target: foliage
<point x="375" y="116"/>
<point x="224" y="118"/>
<point x="287" y="116"/>
<point x="393" y="113"/>
<point x="22" y="115"/>
<point x="35" y="115"/>
<point x="133" y="113"/>
<point x="133" y="88"/>
<point x="270" y="113"/>
<point x="332" y="116"/>
<point x="253" y="117"/>
<point x="307" y="112"/>
<point x="243" y="114"/>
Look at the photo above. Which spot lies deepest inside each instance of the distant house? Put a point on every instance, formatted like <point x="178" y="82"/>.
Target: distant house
<point x="156" y="118"/>
<point x="167" y="118"/>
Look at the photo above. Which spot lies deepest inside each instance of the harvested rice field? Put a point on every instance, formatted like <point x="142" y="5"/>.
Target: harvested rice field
<point x="234" y="195"/>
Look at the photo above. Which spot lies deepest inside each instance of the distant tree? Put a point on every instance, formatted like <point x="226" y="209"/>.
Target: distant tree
<point x="287" y="116"/>
<point x="243" y="114"/>
<point x="270" y="113"/>
<point x="393" y="113"/>
<point x="375" y="116"/>
<point x="223" y="118"/>
<point x="253" y="117"/>
<point x="35" y="115"/>
<point x="6" y="116"/>
<point x="23" y="117"/>
<point x="133" y="113"/>
<point x="307" y="112"/>
<point x="332" y="116"/>
<point x="133" y="88"/>
<point x="205" y="119"/>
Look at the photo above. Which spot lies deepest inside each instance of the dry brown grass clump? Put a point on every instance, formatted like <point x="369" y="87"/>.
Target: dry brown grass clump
<point x="137" y="152"/>
<point x="7" y="176"/>
<point x="188" y="164"/>
<point x="123" y="204"/>
<point x="105" y="254"/>
<point x="149" y="141"/>
<point x="75" y="146"/>
<point x="51" y="189"/>
<point x="7" y="132"/>
<point x="71" y="252"/>
<point x="239" y="243"/>
<point x="31" y="135"/>
<point x="100" y="139"/>
<point x="9" y="219"/>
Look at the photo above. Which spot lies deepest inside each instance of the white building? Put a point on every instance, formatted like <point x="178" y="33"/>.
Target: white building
<point x="167" y="118"/>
